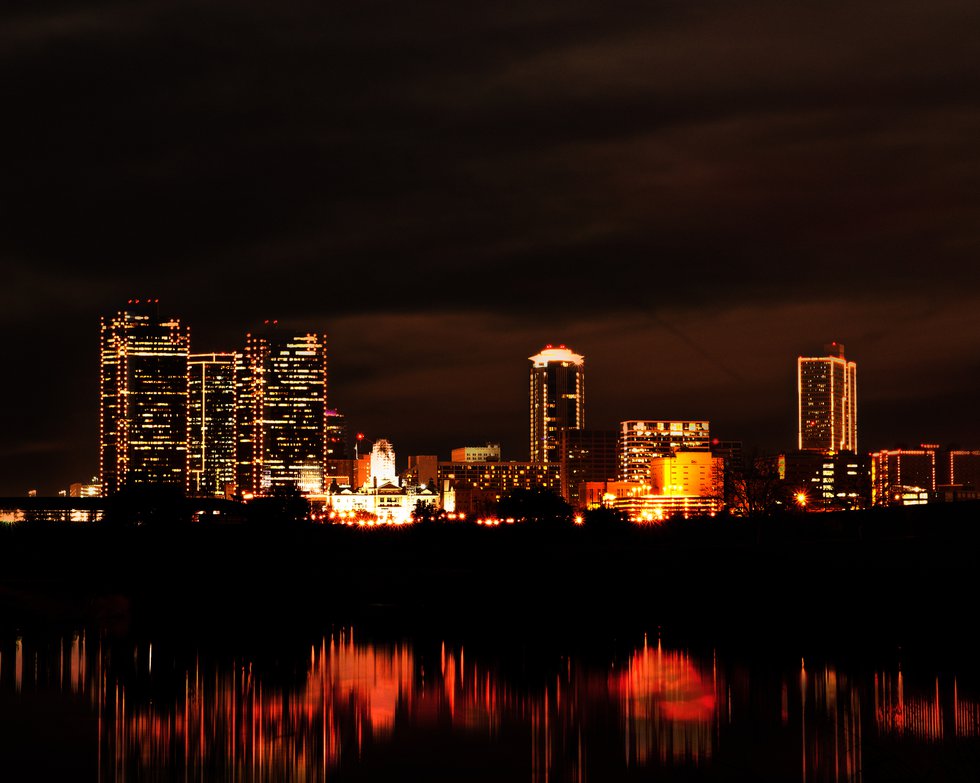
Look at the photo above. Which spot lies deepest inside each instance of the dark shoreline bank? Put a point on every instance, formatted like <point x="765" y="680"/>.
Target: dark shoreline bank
<point x="834" y="579"/>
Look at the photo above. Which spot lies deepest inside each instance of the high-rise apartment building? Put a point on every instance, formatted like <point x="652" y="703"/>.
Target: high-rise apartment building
<point x="143" y="399"/>
<point x="827" y="402"/>
<point x="282" y="411"/>
<point x="641" y="441"/>
<point x="557" y="399"/>
<point x="211" y="430"/>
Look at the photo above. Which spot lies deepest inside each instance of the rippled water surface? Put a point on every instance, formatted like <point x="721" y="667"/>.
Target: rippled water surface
<point x="346" y="705"/>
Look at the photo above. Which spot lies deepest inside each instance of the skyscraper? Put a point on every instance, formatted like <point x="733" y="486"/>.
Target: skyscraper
<point x="282" y="411"/>
<point x="557" y="400"/>
<point x="143" y="399"/>
<point x="211" y="431"/>
<point x="827" y="402"/>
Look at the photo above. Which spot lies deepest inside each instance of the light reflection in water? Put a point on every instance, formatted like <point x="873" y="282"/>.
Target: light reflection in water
<point x="668" y="706"/>
<point x="344" y="699"/>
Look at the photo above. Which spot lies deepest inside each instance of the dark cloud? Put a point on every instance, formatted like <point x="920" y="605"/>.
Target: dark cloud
<point x="689" y="193"/>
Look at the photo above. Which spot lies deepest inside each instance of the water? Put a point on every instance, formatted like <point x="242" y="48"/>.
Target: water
<point x="346" y="705"/>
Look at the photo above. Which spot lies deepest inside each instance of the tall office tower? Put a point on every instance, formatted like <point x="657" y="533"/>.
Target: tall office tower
<point x="211" y="431"/>
<point x="143" y="399"/>
<point x="557" y="400"/>
<point x="827" y="402"/>
<point x="641" y="441"/>
<point x="282" y="411"/>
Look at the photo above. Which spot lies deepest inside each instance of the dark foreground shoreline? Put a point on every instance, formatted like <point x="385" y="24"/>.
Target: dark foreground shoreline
<point x="844" y="578"/>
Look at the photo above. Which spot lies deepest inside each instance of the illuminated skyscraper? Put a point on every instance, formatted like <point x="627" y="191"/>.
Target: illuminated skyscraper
<point x="282" y="411"/>
<point x="827" y="402"/>
<point x="557" y="400"/>
<point x="211" y="428"/>
<point x="143" y="399"/>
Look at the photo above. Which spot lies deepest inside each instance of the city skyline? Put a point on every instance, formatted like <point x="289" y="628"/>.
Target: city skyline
<point x="495" y="431"/>
<point x="687" y="196"/>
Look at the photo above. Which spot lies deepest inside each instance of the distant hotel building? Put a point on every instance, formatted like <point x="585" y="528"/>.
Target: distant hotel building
<point x="827" y="402"/>
<point x="211" y="431"/>
<point x="640" y="442"/>
<point x="143" y="399"/>
<point x="282" y="412"/>
<point x="557" y="400"/>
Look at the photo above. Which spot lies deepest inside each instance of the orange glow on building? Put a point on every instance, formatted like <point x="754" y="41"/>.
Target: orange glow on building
<point x="827" y="402"/>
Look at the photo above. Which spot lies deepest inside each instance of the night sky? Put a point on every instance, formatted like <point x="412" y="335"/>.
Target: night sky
<point x="689" y="193"/>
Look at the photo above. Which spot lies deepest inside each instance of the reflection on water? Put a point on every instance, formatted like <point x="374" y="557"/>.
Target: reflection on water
<point x="320" y="710"/>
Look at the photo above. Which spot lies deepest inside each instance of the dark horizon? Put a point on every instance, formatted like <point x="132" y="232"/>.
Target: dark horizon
<point x="690" y="196"/>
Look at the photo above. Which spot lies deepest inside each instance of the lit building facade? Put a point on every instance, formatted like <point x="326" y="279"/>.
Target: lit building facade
<point x="895" y="471"/>
<point x="641" y="505"/>
<point x="90" y="490"/>
<point x="641" y="441"/>
<point x="381" y="499"/>
<point x="487" y="453"/>
<point x="211" y="429"/>
<point x="688" y="473"/>
<point x="499" y="478"/>
<point x="143" y="399"/>
<point x="686" y="483"/>
<point x="557" y="394"/>
<point x="827" y="402"/>
<point x="282" y="412"/>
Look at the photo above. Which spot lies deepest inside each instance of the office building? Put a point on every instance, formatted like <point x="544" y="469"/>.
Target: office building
<point x="641" y="441"/>
<point x="211" y="429"/>
<point x="282" y="411"/>
<point x="586" y="456"/>
<point x="557" y="400"/>
<point x="964" y="468"/>
<point x="143" y="399"/>
<point x="472" y="486"/>
<point x="827" y="402"/>
<point x="896" y="472"/>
